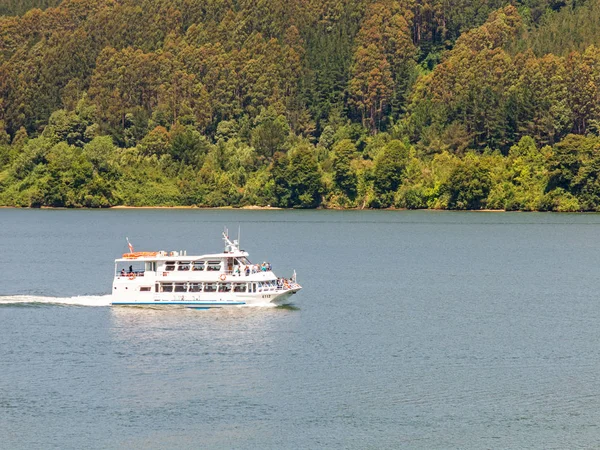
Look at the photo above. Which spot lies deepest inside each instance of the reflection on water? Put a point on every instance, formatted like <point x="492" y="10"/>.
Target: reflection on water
<point x="290" y="307"/>
<point x="184" y="364"/>
<point x="160" y="316"/>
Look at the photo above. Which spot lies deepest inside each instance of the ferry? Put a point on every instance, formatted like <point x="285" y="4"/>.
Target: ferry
<point x="205" y="281"/>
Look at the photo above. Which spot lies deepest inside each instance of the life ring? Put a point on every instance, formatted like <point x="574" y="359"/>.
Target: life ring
<point x="222" y="277"/>
<point x="131" y="276"/>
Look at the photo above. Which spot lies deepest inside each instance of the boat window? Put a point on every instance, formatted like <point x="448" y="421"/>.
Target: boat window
<point x="145" y="289"/>
<point x="244" y="261"/>
<point x="166" y="287"/>
<point x="224" y="287"/>
<point x="214" y="266"/>
<point x="170" y="265"/>
<point x="180" y="287"/>
<point x="195" y="287"/>
<point x="210" y="287"/>
<point x="239" y="287"/>
<point x="198" y="265"/>
<point x="183" y="265"/>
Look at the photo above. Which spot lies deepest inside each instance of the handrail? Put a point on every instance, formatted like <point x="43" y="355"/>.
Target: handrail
<point x="135" y="273"/>
<point x="243" y="272"/>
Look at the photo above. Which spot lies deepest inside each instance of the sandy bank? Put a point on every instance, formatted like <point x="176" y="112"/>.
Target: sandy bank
<point x="192" y="207"/>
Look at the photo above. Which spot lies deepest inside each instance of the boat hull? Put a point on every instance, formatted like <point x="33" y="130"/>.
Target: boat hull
<point x="190" y="300"/>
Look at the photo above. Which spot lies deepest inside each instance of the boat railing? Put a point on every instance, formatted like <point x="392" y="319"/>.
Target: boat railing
<point x="277" y="288"/>
<point x="131" y="275"/>
<point x="242" y="273"/>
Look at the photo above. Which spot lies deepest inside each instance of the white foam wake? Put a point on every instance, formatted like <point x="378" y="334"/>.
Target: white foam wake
<point x="79" y="300"/>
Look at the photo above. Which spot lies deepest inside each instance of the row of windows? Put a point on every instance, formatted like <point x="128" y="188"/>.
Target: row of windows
<point x="217" y="287"/>
<point x="214" y="287"/>
<point x="205" y="287"/>
<point x="214" y="266"/>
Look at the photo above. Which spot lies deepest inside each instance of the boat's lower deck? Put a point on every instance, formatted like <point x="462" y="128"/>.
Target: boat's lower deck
<point x="205" y="300"/>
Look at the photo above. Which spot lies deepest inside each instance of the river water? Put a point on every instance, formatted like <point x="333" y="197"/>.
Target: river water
<point x="413" y="330"/>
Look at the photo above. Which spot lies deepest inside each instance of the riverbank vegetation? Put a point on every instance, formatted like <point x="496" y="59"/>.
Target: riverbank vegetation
<point x="335" y="103"/>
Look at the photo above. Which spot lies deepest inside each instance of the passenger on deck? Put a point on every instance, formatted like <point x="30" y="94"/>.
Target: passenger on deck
<point x="122" y="272"/>
<point x="247" y="270"/>
<point x="131" y="269"/>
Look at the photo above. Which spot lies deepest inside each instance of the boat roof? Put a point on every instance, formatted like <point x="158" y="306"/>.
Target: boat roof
<point x="167" y="256"/>
<point x="232" y="250"/>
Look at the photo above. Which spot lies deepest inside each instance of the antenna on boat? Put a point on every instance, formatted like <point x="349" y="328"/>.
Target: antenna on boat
<point x="239" y="233"/>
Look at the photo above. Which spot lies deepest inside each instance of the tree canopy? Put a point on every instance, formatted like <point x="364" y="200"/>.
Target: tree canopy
<point x="301" y="104"/>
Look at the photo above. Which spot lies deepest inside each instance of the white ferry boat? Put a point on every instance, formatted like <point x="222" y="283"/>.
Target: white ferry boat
<point x="204" y="281"/>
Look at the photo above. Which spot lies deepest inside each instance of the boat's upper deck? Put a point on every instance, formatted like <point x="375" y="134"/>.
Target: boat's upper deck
<point x="232" y="251"/>
<point x="179" y="255"/>
<point x="179" y="264"/>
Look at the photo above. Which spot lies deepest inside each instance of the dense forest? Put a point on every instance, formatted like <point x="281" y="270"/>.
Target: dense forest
<point x="448" y="104"/>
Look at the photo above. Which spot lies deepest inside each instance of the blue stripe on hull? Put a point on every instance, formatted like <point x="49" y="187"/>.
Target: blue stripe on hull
<point x="189" y="303"/>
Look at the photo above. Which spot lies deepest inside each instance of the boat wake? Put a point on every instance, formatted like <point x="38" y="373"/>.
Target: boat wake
<point x="35" y="300"/>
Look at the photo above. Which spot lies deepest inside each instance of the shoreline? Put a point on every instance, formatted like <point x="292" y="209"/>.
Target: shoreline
<point x="253" y="207"/>
<point x="153" y="207"/>
<point x="274" y="208"/>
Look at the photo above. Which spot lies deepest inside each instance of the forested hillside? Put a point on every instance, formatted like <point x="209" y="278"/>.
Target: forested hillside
<point x="17" y="7"/>
<point x="337" y="103"/>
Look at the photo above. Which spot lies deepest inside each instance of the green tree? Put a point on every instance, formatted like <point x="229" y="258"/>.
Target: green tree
<point x="297" y="179"/>
<point x="270" y="134"/>
<point x="575" y="169"/>
<point x="344" y="175"/>
<point x="188" y="146"/>
<point x="371" y="85"/>
<point x="469" y="185"/>
<point x="69" y="174"/>
<point x="389" y="168"/>
<point x="157" y="142"/>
